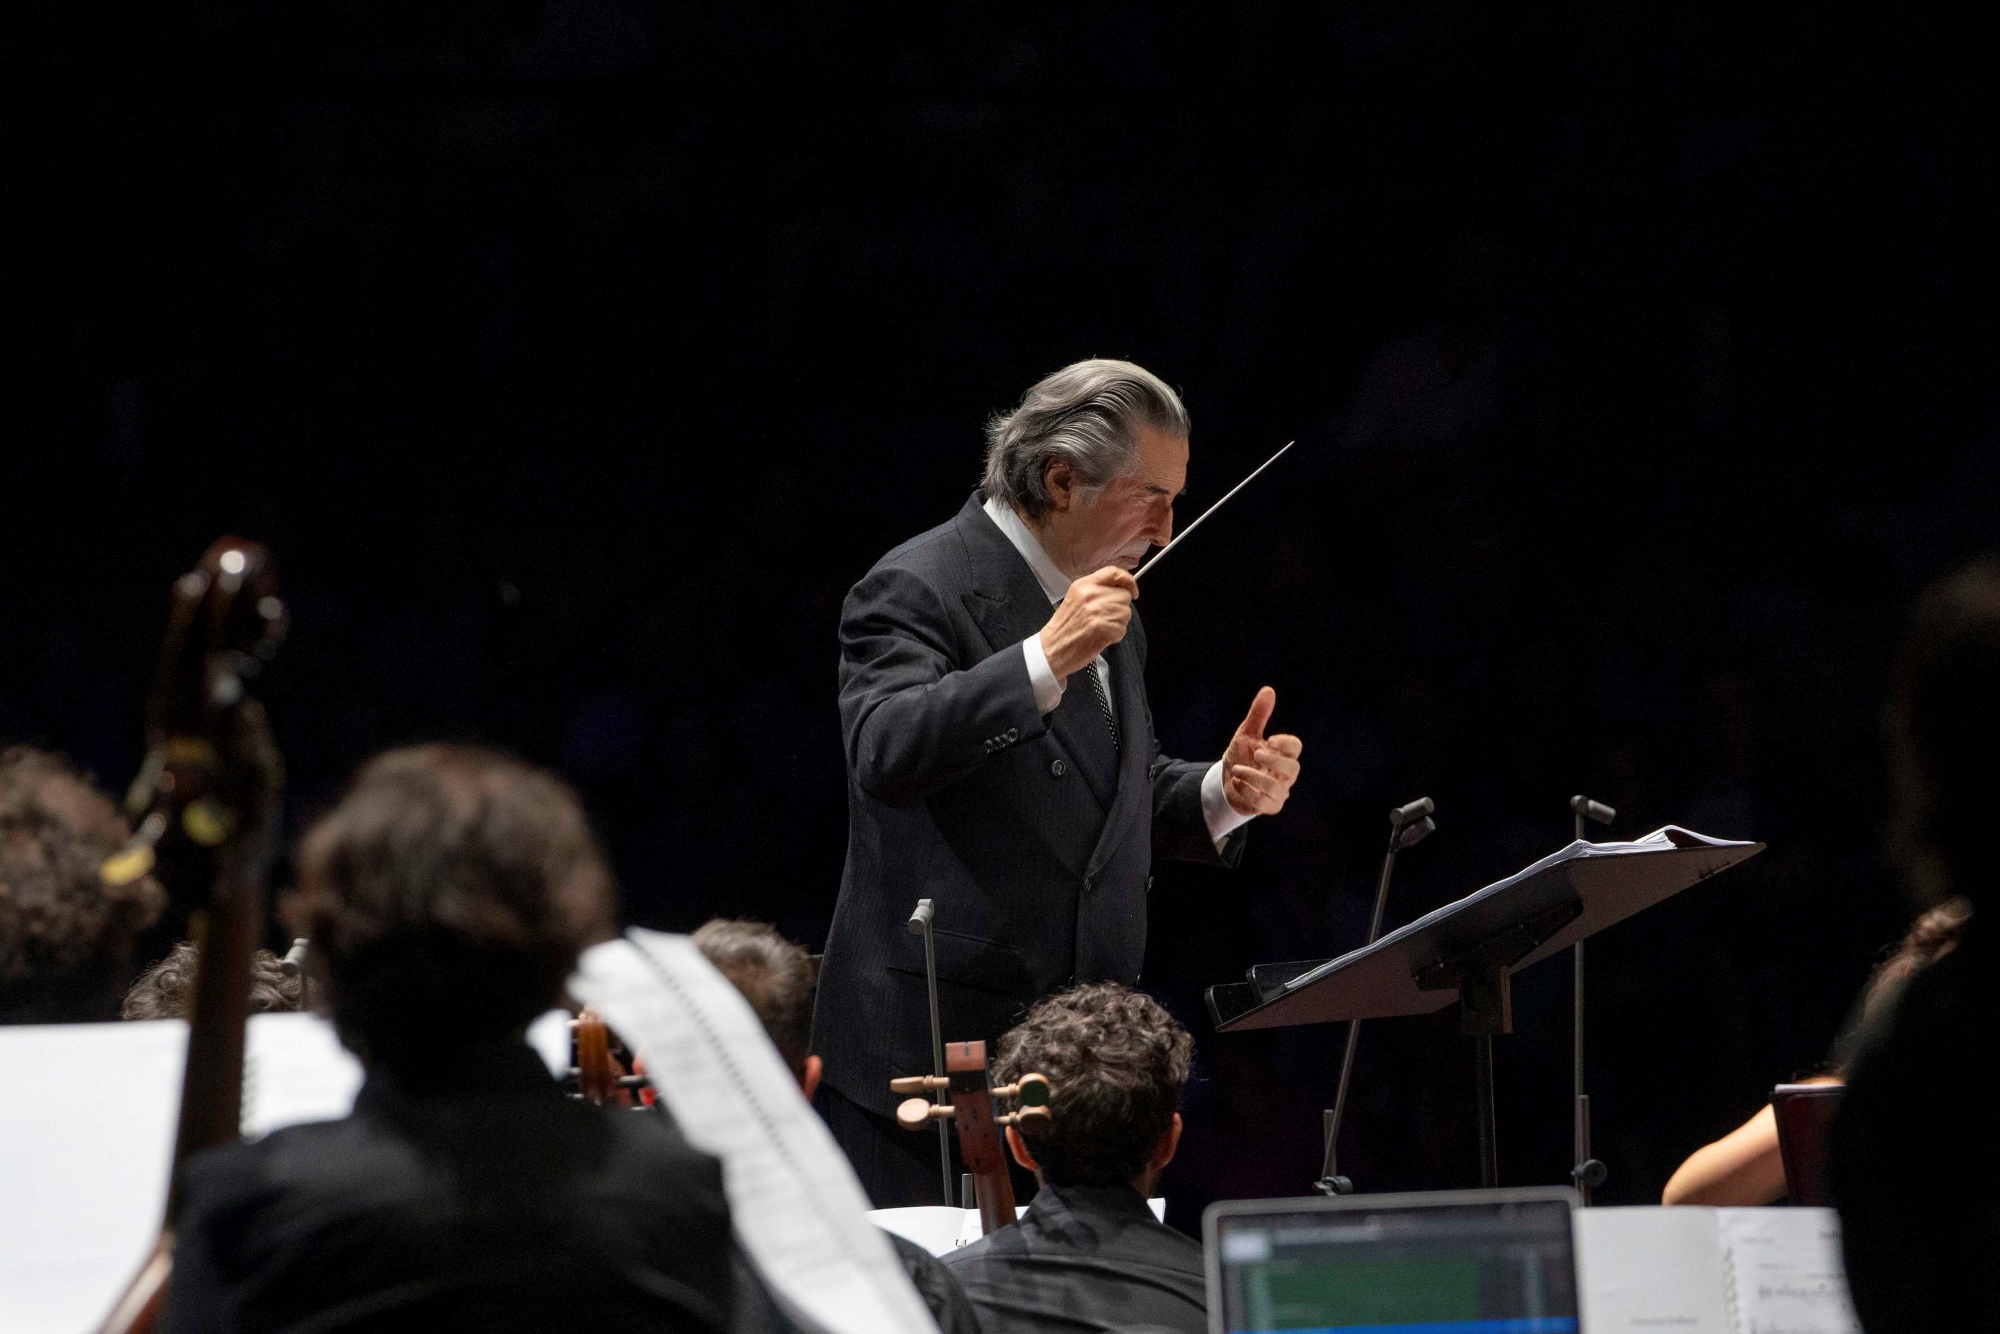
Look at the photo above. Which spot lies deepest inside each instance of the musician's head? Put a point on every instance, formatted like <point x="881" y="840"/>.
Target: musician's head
<point x="1117" y="1062"/>
<point x="776" y="977"/>
<point x="447" y="897"/>
<point x="1092" y="459"/>
<point x="166" y="990"/>
<point x="65" y="936"/>
<point x="1944" y="731"/>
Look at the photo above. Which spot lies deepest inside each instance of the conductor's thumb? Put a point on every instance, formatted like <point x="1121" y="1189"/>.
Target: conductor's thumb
<point x="1260" y="713"/>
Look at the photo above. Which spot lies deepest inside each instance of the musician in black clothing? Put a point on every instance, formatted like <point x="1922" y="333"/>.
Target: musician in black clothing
<point x="1915" y="1167"/>
<point x="447" y="897"/>
<point x="1001" y="754"/>
<point x="1089" y="1256"/>
<point x="775" y="976"/>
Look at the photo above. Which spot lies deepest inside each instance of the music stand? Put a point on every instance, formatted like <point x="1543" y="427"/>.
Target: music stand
<point x="1468" y="951"/>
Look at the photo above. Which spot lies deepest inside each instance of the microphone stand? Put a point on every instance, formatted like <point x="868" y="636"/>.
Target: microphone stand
<point x="920" y="925"/>
<point x="1588" y="1173"/>
<point x="1408" y="825"/>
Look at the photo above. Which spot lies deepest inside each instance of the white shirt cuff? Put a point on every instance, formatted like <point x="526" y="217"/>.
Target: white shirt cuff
<point x="1048" y="690"/>
<point x="1222" y="818"/>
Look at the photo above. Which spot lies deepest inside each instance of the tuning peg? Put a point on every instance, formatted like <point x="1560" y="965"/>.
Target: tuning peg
<point x="1022" y="1117"/>
<point x="919" y="1084"/>
<point x="1032" y="1089"/>
<point x="916" y="1113"/>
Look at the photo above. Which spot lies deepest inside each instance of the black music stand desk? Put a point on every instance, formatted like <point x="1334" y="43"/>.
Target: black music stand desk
<point x="1470" y="949"/>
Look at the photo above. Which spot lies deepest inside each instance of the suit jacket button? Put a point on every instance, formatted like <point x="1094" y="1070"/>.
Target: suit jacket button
<point x="1057" y="768"/>
<point x="1013" y="734"/>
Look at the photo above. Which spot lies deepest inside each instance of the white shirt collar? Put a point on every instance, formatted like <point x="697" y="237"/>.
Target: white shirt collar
<point x="1053" y="581"/>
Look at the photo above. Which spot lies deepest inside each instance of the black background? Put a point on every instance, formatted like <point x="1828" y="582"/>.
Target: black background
<point x="577" y="357"/>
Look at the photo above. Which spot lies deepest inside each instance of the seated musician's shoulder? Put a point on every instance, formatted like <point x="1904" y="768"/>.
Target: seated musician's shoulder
<point x="447" y="897"/>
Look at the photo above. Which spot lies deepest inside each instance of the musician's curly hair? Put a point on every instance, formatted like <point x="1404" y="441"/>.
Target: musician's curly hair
<point x="446" y="898"/>
<point x="1117" y="1062"/>
<point x="166" y="990"/>
<point x="65" y="935"/>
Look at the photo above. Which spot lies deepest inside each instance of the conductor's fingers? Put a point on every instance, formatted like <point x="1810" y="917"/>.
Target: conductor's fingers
<point x="1262" y="787"/>
<point x="1277" y="763"/>
<point x="1285" y="744"/>
<point x="1260" y="713"/>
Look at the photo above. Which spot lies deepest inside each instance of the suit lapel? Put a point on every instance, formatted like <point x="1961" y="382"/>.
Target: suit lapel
<point x="1008" y="604"/>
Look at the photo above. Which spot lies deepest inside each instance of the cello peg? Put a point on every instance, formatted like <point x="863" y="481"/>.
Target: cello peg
<point x="918" y="1084"/>
<point x="916" y="1113"/>
<point x="1032" y="1089"/>
<point x="1024" y="1116"/>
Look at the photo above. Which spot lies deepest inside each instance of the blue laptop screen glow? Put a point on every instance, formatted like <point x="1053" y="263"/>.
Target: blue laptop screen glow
<point x="1447" y="1269"/>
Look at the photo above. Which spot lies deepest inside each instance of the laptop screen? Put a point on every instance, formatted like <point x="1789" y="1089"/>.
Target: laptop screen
<point x="1405" y="1267"/>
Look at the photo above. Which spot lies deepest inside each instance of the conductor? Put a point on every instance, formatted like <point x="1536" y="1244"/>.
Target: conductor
<point x="1001" y="759"/>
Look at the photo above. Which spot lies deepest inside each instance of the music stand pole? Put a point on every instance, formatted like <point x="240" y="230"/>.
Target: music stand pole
<point x="920" y="924"/>
<point x="1587" y="1171"/>
<point x="1408" y="825"/>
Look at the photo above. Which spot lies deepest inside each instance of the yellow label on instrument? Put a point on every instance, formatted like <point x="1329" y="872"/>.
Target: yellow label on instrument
<point x="208" y="822"/>
<point x="126" y="867"/>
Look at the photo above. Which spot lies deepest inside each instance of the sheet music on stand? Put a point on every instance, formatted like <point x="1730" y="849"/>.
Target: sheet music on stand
<point x="797" y="1206"/>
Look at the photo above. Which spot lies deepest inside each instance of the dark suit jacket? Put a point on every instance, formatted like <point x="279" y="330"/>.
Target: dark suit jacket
<point x="1085" y="1259"/>
<point x="483" y="1201"/>
<point x="1033" y="836"/>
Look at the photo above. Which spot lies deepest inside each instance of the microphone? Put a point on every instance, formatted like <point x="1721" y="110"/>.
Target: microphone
<point x="1409" y="825"/>
<point x="920" y="925"/>
<point x="1586" y="809"/>
<point x="1588" y="1171"/>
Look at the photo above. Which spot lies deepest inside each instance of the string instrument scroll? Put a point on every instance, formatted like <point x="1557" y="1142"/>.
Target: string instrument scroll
<point x="205" y="808"/>
<point x="970" y="1083"/>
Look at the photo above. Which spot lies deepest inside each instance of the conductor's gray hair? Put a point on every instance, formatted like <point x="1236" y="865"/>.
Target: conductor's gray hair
<point x="1086" y="415"/>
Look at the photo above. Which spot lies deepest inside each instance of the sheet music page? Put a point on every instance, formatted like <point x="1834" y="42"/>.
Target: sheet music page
<point x="1789" y="1274"/>
<point x="87" y="1124"/>
<point x="86" y="1133"/>
<point x="797" y="1207"/>
<point x="1651" y="1270"/>
<point x="295" y="1071"/>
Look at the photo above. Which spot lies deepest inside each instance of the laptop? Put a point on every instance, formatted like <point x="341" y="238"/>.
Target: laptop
<point x="1445" y="1262"/>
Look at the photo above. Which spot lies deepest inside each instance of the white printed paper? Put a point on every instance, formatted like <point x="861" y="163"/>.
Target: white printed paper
<point x="87" y="1115"/>
<point x="1691" y="1270"/>
<point x="1788" y="1271"/>
<point x="797" y="1207"/>
<point x="1651" y="1269"/>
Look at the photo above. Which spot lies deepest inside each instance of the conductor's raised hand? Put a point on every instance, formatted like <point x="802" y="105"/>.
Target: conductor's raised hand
<point x="1258" y="770"/>
<point x="1093" y="616"/>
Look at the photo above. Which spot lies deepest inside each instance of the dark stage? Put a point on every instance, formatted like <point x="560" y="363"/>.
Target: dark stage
<point x="576" y="359"/>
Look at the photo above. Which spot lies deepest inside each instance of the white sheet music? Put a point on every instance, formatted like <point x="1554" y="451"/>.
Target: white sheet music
<point x="797" y="1207"/>
<point x="87" y="1117"/>
<point x="1789" y="1276"/>
<point x="1651" y="1270"/>
<point x="1713" y="1271"/>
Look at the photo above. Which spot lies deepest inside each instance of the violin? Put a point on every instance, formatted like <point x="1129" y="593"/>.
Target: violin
<point x="596" y="1070"/>
<point x="205" y="809"/>
<point x="969" y="1081"/>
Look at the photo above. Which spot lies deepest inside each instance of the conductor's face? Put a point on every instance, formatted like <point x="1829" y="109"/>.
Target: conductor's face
<point x="1134" y="511"/>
